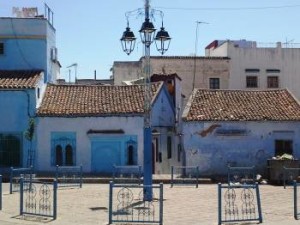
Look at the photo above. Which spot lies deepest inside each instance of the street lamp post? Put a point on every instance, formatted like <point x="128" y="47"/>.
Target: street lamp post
<point x="162" y="40"/>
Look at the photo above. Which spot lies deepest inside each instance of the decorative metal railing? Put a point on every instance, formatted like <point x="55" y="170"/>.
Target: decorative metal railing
<point x="16" y="174"/>
<point x="241" y="175"/>
<point x="39" y="200"/>
<point x="296" y="200"/>
<point x="127" y="174"/>
<point x="184" y="175"/>
<point x="239" y="203"/>
<point x="290" y="175"/>
<point x="0" y="192"/>
<point x="69" y="176"/>
<point x="126" y="204"/>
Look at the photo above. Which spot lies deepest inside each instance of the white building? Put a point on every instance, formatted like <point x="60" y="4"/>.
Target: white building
<point x="259" y="68"/>
<point x="100" y="126"/>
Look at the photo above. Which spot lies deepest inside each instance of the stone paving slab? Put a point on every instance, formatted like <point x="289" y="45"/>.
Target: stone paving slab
<point x="183" y="205"/>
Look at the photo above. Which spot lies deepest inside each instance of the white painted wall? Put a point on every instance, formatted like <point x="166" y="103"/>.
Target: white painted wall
<point x="80" y="125"/>
<point x="262" y="58"/>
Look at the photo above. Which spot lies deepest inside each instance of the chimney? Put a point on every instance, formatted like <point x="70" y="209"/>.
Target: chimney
<point x="95" y="74"/>
<point x="278" y="44"/>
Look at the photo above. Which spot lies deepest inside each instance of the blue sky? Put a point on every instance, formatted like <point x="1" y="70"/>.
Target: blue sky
<point x="88" y="32"/>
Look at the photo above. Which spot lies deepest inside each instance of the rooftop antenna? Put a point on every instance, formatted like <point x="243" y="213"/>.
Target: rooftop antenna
<point x="196" y="48"/>
<point x="75" y="67"/>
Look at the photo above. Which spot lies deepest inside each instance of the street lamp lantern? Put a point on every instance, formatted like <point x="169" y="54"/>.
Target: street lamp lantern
<point x="147" y="33"/>
<point x="162" y="40"/>
<point x="128" y="40"/>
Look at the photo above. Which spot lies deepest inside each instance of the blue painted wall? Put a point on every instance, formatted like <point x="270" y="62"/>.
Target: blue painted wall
<point x="110" y="150"/>
<point x="207" y="146"/>
<point x="17" y="106"/>
<point x="27" y="45"/>
<point x="163" y="112"/>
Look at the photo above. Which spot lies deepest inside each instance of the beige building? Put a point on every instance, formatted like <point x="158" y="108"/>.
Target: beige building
<point x="195" y="72"/>
<point x="260" y="66"/>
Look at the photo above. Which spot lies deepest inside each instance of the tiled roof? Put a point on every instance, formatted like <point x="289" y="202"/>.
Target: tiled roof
<point x="94" y="100"/>
<point x="12" y="79"/>
<point x="239" y="105"/>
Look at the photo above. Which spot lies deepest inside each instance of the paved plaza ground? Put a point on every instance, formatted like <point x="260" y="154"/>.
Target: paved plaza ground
<point x="183" y="205"/>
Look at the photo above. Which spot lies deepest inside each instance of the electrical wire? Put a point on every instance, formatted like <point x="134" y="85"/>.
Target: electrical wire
<point x="228" y="9"/>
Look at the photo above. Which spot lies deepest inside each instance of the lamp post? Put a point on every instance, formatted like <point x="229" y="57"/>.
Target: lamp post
<point x="162" y="40"/>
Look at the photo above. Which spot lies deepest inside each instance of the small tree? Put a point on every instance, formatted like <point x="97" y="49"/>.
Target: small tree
<point x="29" y="134"/>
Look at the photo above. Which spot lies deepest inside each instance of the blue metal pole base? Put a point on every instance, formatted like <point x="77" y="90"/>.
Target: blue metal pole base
<point x="147" y="164"/>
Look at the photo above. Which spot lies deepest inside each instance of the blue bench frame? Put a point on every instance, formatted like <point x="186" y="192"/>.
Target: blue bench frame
<point x="16" y="174"/>
<point x="128" y="171"/>
<point x="285" y="175"/>
<point x="247" y="175"/>
<point x="296" y="211"/>
<point x="64" y="174"/>
<point x="183" y="180"/>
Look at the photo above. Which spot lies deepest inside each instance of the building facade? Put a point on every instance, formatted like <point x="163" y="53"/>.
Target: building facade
<point x="20" y="95"/>
<point x="239" y="128"/>
<point x="259" y="67"/>
<point x="29" y="44"/>
<point x="195" y="72"/>
<point x="101" y="126"/>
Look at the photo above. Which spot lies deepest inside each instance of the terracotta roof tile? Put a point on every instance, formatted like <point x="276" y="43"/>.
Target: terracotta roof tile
<point x="12" y="79"/>
<point x="239" y="105"/>
<point x="93" y="100"/>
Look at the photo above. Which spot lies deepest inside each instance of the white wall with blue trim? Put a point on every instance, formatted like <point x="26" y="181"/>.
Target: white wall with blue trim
<point x="92" y="149"/>
<point x="107" y="145"/>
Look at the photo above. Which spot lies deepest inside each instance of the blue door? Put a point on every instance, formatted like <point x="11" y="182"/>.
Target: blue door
<point x="104" y="155"/>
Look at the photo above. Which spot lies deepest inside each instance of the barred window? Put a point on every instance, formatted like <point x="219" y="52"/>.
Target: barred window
<point x="273" y="82"/>
<point x="214" y="83"/>
<point x="251" y="82"/>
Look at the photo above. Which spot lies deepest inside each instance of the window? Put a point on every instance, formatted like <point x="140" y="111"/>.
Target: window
<point x="156" y="150"/>
<point x="169" y="147"/>
<point x="69" y="155"/>
<point x="130" y="153"/>
<point x="1" y="48"/>
<point x="283" y="146"/>
<point x="251" y="82"/>
<point x="58" y="155"/>
<point x="214" y="83"/>
<point x="273" y="82"/>
<point x="10" y="150"/>
<point x="63" y="145"/>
